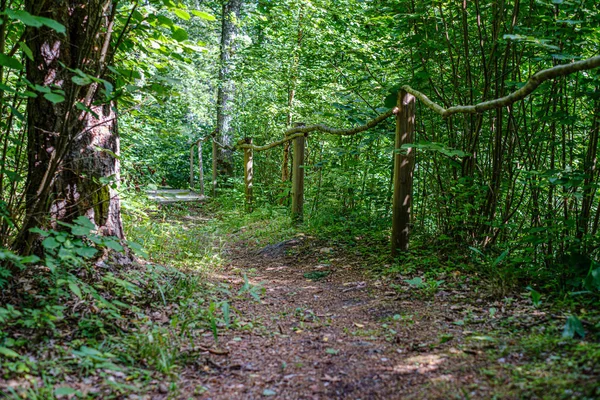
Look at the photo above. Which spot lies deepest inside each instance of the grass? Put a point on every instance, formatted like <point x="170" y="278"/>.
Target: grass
<point x="546" y="366"/>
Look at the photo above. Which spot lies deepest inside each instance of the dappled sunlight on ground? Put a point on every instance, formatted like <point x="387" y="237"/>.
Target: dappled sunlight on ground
<point x="421" y="364"/>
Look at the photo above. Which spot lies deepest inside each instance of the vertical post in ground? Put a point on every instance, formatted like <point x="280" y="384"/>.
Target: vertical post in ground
<point x="248" y="174"/>
<point x="214" y="168"/>
<point x="192" y="167"/>
<point x="298" y="178"/>
<point x="404" y="163"/>
<point x="200" y="168"/>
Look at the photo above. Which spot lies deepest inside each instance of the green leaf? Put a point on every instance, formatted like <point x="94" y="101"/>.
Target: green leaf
<point x="416" y="282"/>
<point x="17" y="114"/>
<point x="50" y="243"/>
<point x="43" y="89"/>
<point x="52" y="24"/>
<point x="572" y="327"/>
<point x="87" y="252"/>
<point x="64" y="391"/>
<point x="138" y="249"/>
<point x="8" y="352"/>
<point x="332" y="351"/>
<point x="182" y="14"/>
<point x="75" y="289"/>
<point x="26" y="50"/>
<point x="204" y="15"/>
<point x="535" y="296"/>
<point x="108" y="87"/>
<point x="499" y="259"/>
<point x="7" y="88"/>
<point x="226" y="313"/>
<point x="54" y="98"/>
<point x="269" y="392"/>
<point x="113" y="244"/>
<point x="165" y="21"/>
<point x="82" y="107"/>
<point x="39" y="232"/>
<point x="83" y="226"/>
<point x="24" y="17"/>
<point x="35" y="21"/>
<point x="81" y="81"/>
<point x="30" y="259"/>
<point x="10" y="62"/>
<point x="109" y="152"/>
<point x="179" y="34"/>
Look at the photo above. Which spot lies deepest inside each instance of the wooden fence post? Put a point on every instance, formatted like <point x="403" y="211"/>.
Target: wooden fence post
<point x="404" y="163"/>
<point x="298" y="178"/>
<point x="214" y="169"/>
<point x="192" y="167"/>
<point x="248" y="174"/>
<point x="200" y="168"/>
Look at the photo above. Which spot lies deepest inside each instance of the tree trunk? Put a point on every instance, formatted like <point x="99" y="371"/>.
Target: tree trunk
<point x="285" y="172"/>
<point x="226" y="92"/>
<point x="73" y="154"/>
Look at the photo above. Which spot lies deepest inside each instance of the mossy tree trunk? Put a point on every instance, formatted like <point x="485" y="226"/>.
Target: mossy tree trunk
<point x="73" y="161"/>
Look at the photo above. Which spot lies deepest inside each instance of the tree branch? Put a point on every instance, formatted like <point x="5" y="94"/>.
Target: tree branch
<point x="530" y="86"/>
<point x="293" y="133"/>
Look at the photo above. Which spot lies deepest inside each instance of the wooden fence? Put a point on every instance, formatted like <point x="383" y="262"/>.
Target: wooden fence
<point x="403" y="154"/>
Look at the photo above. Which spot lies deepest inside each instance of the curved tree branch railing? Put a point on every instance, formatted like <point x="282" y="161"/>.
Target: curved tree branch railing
<point x="530" y="86"/>
<point x="299" y="131"/>
<point x="405" y="121"/>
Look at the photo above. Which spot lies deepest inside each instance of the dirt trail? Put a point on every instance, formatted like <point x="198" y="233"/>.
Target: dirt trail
<point x="343" y="336"/>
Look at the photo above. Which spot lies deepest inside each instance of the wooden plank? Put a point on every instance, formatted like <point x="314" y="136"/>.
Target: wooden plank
<point x="165" y="196"/>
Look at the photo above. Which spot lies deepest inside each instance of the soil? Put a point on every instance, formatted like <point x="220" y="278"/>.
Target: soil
<point x="323" y="329"/>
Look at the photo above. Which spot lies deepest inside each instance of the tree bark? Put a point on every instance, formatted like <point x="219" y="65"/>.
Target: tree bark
<point x="73" y="165"/>
<point x="285" y="172"/>
<point x="404" y="164"/>
<point x="226" y="92"/>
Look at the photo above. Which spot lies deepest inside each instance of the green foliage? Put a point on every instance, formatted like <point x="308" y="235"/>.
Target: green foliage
<point x="98" y="306"/>
<point x="316" y="275"/>
<point x="573" y="327"/>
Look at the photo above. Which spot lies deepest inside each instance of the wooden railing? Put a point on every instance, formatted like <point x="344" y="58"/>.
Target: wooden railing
<point x="403" y="157"/>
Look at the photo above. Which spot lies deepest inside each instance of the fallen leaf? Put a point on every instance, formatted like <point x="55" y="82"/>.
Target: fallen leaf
<point x="328" y="378"/>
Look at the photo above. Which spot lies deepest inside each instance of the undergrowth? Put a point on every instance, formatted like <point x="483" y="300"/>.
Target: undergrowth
<point x="80" y="324"/>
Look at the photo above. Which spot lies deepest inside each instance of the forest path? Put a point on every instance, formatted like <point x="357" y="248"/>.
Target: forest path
<point x="341" y="334"/>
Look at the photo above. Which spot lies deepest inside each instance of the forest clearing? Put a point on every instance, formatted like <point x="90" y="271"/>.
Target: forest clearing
<point x="302" y="199"/>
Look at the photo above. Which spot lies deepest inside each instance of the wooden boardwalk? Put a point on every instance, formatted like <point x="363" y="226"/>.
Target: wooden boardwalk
<point x="167" y="196"/>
